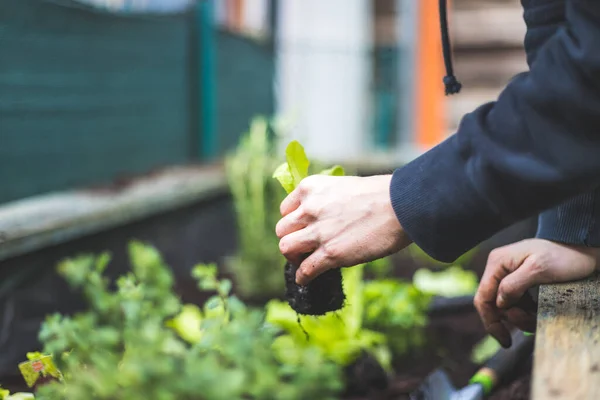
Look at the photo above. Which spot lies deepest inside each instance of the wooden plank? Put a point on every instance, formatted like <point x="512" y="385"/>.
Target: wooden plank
<point x="567" y="353"/>
<point x="43" y="221"/>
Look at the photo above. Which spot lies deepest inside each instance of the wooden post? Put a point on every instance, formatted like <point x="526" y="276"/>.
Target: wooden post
<point x="567" y="351"/>
<point x="430" y="121"/>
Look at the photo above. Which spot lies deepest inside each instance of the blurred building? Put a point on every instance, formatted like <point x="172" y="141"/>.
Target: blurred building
<point x="152" y="83"/>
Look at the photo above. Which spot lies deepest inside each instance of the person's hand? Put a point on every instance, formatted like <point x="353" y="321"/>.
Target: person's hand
<point x="511" y="270"/>
<point x="340" y="221"/>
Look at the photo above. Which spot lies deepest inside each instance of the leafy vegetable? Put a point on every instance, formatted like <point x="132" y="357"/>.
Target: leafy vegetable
<point x="397" y="309"/>
<point x="297" y="161"/>
<point x="453" y="281"/>
<point x="290" y="173"/>
<point x="485" y="349"/>
<point x="339" y="336"/>
<point x="336" y="170"/>
<point x="324" y="294"/>
<point x="39" y="365"/>
<point x="5" y="395"/>
<point x="256" y="199"/>
<point x="139" y="342"/>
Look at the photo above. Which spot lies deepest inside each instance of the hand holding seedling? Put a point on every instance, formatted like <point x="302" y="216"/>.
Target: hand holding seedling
<point x="341" y="220"/>
<point x="511" y="270"/>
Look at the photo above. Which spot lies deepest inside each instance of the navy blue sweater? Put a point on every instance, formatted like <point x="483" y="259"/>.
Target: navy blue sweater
<point x="535" y="150"/>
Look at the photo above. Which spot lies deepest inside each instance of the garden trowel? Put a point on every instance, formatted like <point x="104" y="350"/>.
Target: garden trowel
<point x="498" y="369"/>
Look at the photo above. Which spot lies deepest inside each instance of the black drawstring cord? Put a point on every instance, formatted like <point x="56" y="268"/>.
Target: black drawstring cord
<point x="451" y="84"/>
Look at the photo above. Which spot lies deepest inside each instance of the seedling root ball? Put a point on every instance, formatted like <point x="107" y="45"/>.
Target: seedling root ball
<point x="322" y="295"/>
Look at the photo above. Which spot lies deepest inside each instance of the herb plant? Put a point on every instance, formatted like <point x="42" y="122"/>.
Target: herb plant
<point x="397" y="309"/>
<point x="256" y="200"/>
<point x="139" y="342"/>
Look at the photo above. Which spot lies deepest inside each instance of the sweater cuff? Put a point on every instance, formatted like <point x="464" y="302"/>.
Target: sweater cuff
<point x="573" y="222"/>
<point x="438" y="206"/>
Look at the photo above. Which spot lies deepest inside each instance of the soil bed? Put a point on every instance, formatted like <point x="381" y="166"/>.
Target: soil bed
<point x="450" y="341"/>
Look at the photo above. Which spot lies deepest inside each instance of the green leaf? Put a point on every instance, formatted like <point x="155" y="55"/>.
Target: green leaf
<point x="284" y="176"/>
<point x="451" y="282"/>
<point x="336" y="170"/>
<point x="18" y="396"/>
<point x="224" y="287"/>
<point x="203" y="271"/>
<point x="297" y="161"/>
<point x="287" y="351"/>
<point x="484" y="350"/>
<point x="187" y="323"/>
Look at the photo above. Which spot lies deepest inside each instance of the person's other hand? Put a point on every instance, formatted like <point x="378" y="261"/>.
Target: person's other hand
<point x="340" y="221"/>
<point x="512" y="270"/>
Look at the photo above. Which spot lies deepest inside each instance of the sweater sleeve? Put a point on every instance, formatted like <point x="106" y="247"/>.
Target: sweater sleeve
<point x="573" y="222"/>
<point x="537" y="146"/>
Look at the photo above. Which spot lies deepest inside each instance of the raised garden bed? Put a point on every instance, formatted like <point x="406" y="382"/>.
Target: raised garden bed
<point x="450" y="340"/>
<point x="205" y="232"/>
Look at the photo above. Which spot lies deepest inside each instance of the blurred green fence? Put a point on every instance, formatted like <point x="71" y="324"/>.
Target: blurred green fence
<point x="87" y="96"/>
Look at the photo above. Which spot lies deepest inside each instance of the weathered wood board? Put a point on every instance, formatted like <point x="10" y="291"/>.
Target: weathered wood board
<point x="567" y="351"/>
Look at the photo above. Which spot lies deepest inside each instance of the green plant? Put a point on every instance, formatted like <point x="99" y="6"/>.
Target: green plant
<point x="380" y="268"/>
<point x="256" y="200"/>
<point x="297" y="166"/>
<point x="418" y="254"/>
<point x="139" y="342"/>
<point x="450" y="282"/>
<point x="399" y="310"/>
<point x="6" y="395"/>
<point x="325" y="293"/>
<point x="340" y="336"/>
<point x="484" y="349"/>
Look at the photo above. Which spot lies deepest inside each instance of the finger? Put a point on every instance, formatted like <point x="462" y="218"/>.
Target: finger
<point x="314" y="265"/>
<point x="492" y="318"/>
<point x="292" y="222"/>
<point x="521" y="319"/>
<point x="501" y="262"/>
<point x="291" y="202"/>
<point x="295" y="245"/>
<point x="513" y="287"/>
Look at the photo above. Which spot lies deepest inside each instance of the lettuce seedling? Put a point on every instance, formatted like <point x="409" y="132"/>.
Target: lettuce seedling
<point x="340" y="336"/>
<point x="325" y="293"/>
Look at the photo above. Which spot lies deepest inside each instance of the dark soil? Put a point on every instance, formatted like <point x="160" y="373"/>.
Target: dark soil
<point x="324" y="294"/>
<point x="450" y="342"/>
<point x="451" y="339"/>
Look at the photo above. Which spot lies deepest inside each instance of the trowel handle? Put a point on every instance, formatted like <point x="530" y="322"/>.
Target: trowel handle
<point x="505" y="362"/>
